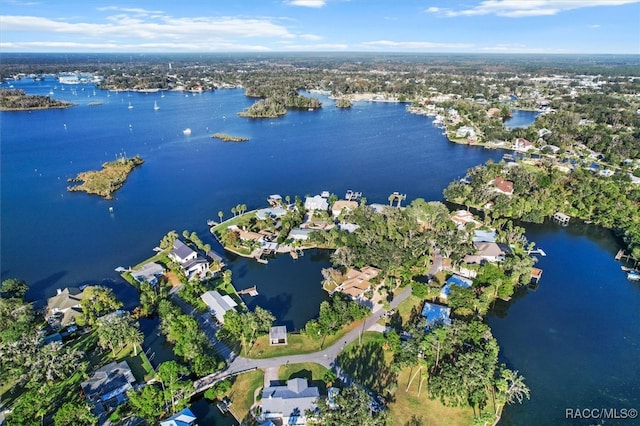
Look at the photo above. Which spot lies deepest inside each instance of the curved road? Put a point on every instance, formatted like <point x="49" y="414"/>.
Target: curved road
<point x="326" y="357"/>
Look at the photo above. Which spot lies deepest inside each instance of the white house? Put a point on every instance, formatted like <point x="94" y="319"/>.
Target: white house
<point x="343" y="205"/>
<point x="218" y="304"/>
<point x="316" y="202"/>
<point x="286" y="405"/>
<point x="466" y="132"/>
<point x="191" y="264"/>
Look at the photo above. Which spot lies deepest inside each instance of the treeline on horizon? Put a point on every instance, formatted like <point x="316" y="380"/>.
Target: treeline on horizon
<point x="606" y="64"/>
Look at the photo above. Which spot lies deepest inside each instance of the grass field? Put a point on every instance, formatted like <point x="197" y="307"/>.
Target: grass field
<point x="297" y="344"/>
<point x="242" y="391"/>
<point x="430" y="412"/>
<point x="314" y="373"/>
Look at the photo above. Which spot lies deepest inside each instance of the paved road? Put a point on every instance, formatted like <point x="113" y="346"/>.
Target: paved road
<point x="326" y="357"/>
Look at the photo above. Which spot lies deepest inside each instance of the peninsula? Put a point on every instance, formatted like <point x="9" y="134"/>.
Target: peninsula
<point x="108" y="180"/>
<point x="229" y="138"/>
<point x="18" y="100"/>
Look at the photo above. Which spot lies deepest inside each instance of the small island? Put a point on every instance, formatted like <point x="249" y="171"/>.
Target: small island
<point x="108" y="180"/>
<point x="18" y="100"/>
<point x="228" y="138"/>
<point x="344" y="103"/>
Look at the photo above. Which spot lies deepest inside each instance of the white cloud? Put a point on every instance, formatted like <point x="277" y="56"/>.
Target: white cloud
<point x="110" y="46"/>
<point x="415" y="45"/>
<point x="594" y="26"/>
<point x="323" y="47"/>
<point x="522" y="8"/>
<point x="307" y="3"/>
<point x="517" y="48"/>
<point x="128" y="27"/>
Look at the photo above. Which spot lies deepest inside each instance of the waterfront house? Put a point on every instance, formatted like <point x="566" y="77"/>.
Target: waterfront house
<point x="181" y="252"/>
<point x="466" y="132"/>
<point x="272" y="212"/>
<point x="454" y="280"/>
<point x="522" y="144"/>
<point x="149" y="272"/>
<point x="64" y="307"/>
<point x="278" y="335"/>
<point x="218" y="304"/>
<point x="502" y="186"/>
<point x="487" y="252"/>
<point x="287" y="405"/>
<point x="436" y="314"/>
<point x="480" y="235"/>
<point x="107" y="387"/>
<point x="462" y="217"/>
<point x="316" y="203"/>
<point x="358" y="282"/>
<point x="343" y="205"/>
<point x="191" y="263"/>
<point x="300" y="234"/>
<point x="182" y="418"/>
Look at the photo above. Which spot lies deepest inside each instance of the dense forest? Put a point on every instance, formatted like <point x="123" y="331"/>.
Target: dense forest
<point x="540" y="191"/>
<point x="17" y="100"/>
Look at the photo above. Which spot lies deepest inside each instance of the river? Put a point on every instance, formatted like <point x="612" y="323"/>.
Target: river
<point x="575" y="339"/>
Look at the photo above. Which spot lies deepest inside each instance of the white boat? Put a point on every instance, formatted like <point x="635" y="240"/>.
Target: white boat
<point x="633" y="275"/>
<point x="155" y="106"/>
<point x="130" y="106"/>
<point x="186" y="131"/>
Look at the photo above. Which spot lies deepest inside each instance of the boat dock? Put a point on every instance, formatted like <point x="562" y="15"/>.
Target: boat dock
<point x="352" y="195"/>
<point x="536" y="275"/>
<point x="251" y="291"/>
<point x="537" y="251"/>
<point x="561" y="218"/>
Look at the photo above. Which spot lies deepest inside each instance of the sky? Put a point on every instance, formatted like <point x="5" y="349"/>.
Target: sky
<point x="438" y="26"/>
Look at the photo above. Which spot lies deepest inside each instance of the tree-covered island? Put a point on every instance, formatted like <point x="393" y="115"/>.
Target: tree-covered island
<point x="18" y="100"/>
<point x="229" y="138"/>
<point x="107" y="181"/>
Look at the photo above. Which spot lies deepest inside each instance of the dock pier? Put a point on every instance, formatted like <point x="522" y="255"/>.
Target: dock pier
<point x="561" y="218"/>
<point x="251" y="291"/>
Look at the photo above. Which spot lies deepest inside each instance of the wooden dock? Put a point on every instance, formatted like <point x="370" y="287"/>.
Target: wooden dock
<point x="536" y="275"/>
<point x="251" y="291"/>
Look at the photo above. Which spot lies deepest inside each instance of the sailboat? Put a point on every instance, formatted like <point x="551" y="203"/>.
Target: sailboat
<point x="130" y="106"/>
<point x="155" y="106"/>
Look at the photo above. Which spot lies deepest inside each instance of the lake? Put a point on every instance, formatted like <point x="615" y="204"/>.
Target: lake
<point x="575" y="339"/>
<point x="521" y="118"/>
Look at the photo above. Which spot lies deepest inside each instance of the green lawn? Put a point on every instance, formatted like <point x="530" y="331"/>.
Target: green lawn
<point x="314" y="373"/>
<point x="237" y="220"/>
<point x="297" y="344"/>
<point x="242" y="391"/>
<point x="368" y="363"/>
<point x="431" y="412"/>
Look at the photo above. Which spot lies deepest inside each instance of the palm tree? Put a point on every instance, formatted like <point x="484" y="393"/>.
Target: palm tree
<point x="243" y="207"/>
<point x="134" y="337"/>
<point x="233" y="211"/>
<point x="220" y="215"/>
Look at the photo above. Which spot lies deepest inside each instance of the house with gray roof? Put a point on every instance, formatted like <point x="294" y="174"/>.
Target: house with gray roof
<point x="107" y="388"/>
<point x="218" y="304"/>
<point x="64" y="307"/>
<point x="288" y="404"/>
<point x="192" y="264"/>
<point x="149" y="272"/>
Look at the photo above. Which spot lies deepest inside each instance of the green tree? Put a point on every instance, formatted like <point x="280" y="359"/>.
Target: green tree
<point x="220" y="215"/>
<point x="148" y="402"/>
<point x="74" y="413"/>
<point x="115" y="331"/>
<point x="13" y="288"/>
<point x="97" y="301"/>
<point x="219" y="389"/>
<point x="354" y="408"/>
<point x="174" y="384"/>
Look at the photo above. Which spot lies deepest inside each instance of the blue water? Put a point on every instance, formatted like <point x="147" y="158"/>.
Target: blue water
<point x="521" y="118"/>
<point x="575" y="339"/>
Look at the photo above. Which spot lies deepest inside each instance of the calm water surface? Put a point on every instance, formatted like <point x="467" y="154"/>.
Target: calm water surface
<point x="575" y="339"/>
<point x="521" y="118"/>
